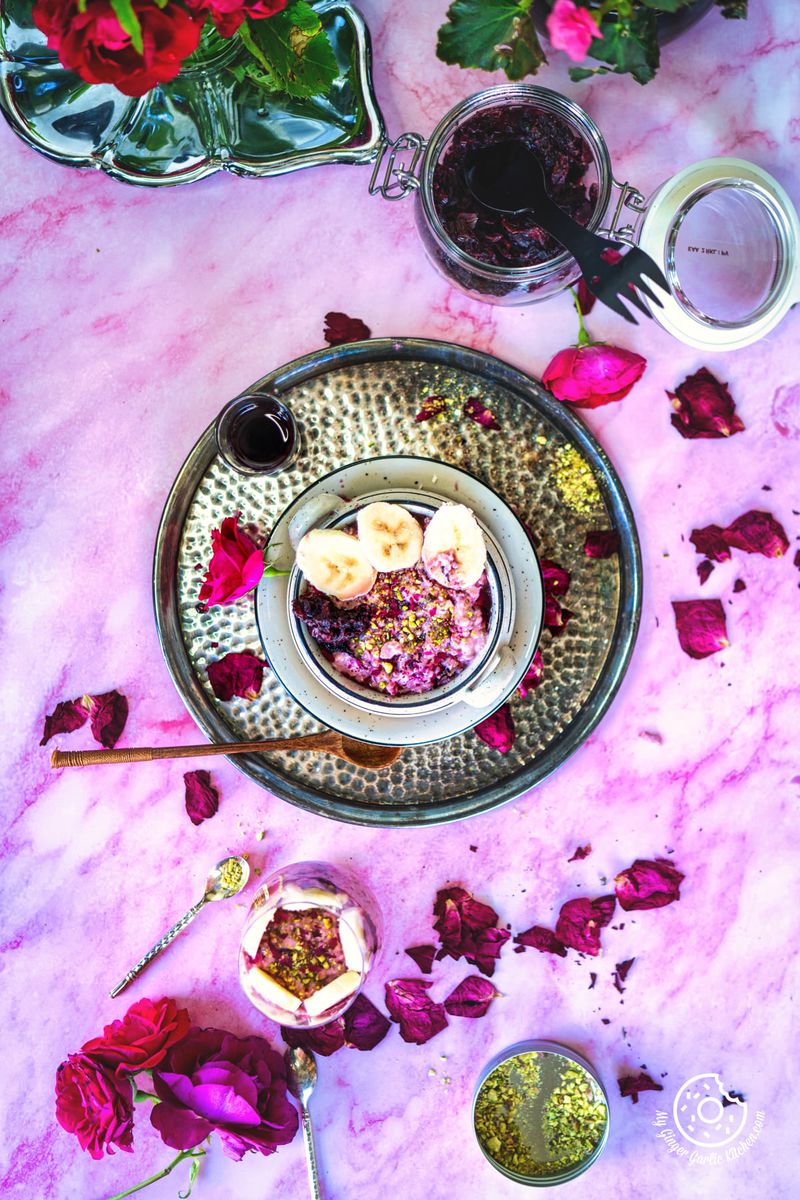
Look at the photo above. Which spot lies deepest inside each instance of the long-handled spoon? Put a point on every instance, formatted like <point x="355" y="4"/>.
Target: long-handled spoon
<point x="302" y="1081"/>
<point x="360" y="754"/>
<point x="508" y="177"/>
<point x="227" y="879"/>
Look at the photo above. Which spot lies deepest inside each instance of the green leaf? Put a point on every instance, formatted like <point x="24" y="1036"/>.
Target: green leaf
<point x="269" y="572"/>
<point x="630" y="47"/>
<point x="126" y="15"/>
<point x="493" y="35"/>
<point x="669" y="6"/>
<point x="732" y="8"/>
<point x="293" y="50"/>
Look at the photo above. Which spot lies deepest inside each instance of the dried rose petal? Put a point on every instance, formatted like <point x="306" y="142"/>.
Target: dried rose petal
<point x="704" y="407"/>
<point x="758" y="533"/>
<point x="477" y="411"/>
<point x="423" y="957"/>
<point x="593" y="375"/>
<point x="740" y="585"/>
<point x="542" y="939"/>
<point x="409" y="1005"/>
<point x="621" y="973"/>
<point x="648" y="884"/>
<point x="434" y="406"/>
<point x="467" y="928"/>
<point x="236" y="674"/>
<point x="796" y="562"/>
<point x="66" y="717"/>
<point x="364" y="1025"/>
<point x="704" y="569"/>
<point x="586" y="297"/>
<point x="202" y="798"/>
<point x="108" y="714"/>
<point x="601" y="543"/>
<point x="236" y="565"/>
<point x="555" y="578"/>
<point x="533" y="676"/>
<point x="339" y="328"/>
<point x="701" y="626"/>
<point x="324" y="1040"/>
<point x="631" y="1085"/>
<point x="710" y="542"/>
<point x="471" y="997"/>
<point x="581" y="852"/>
<point x="497" y="730"/>
<point x="580" y="921"/>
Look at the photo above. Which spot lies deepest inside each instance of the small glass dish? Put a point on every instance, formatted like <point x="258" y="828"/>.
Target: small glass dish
<point x="540" y="1113"/>
<point x="308" y="944"/>
<point x="257" y="434"/>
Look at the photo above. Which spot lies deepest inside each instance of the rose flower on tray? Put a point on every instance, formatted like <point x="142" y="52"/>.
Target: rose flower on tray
<point x="135" y="45"/>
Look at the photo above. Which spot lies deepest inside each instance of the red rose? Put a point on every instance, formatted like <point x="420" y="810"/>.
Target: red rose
<point x="142" y="1038"/>
<point x="236" y="565"/>
<point x="94" y="44"/>
<point x="589" y="376"/>
<point x="228" y="15"/>
<point x="95" y="1105"/>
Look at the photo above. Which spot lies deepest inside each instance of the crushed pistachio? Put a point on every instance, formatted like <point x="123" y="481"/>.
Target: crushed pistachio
<point x="539" y="1114"/>
<point x="575" y="481"/>
<point x="260" y="835"/>
<point x="230" y="875"/>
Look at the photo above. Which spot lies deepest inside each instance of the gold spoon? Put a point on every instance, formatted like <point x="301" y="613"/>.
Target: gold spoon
<point x="227" y="879"/>
<point x="360" y="754"/>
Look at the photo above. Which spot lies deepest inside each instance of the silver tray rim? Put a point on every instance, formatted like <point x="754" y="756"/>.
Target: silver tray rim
<point x="409" y="815"/>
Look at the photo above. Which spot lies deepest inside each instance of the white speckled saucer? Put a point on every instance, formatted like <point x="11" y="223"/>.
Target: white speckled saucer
<point x="408" y="474"/>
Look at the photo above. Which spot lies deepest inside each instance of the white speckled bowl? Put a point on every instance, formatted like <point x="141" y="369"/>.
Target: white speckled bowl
<point x="516" y="626"/>
<point x="490" y="664"/>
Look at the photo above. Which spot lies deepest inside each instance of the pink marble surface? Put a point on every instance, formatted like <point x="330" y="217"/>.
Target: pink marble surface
<point x="128" y="317"/>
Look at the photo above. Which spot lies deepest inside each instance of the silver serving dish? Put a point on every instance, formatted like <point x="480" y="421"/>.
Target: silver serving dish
<point x="365" y="395"/>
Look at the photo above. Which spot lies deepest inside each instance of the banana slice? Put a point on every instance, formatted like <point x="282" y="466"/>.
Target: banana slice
<point x="335" y="563"/>
<point x="391" y="536"/>
<point x="453" y="550"/>
<point x="272" y="991"/>
<point x="333" y="993"/>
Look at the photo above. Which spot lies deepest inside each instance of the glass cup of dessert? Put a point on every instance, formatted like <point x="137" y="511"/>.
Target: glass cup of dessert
<point x="308" y="944"/>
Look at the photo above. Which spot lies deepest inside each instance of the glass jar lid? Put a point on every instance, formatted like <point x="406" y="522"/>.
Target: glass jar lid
<point x="726" y="236"/>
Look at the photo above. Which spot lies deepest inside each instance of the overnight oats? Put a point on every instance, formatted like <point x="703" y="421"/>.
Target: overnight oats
<point x="400" y="605"/>
<point x="308" y="944"/>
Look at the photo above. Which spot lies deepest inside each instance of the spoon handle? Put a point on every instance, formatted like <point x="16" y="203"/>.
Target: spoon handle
<point x="131" y="754"/>
<point x="168" y="937"/>
<point x="311" y="1157"/>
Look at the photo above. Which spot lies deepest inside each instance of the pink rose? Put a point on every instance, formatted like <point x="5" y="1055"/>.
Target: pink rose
<point x="142" y="1038"/>
<point x="95" y="1105"/>
<point x="236" y="565"/>
<point x="571" y="29"/>
<point x="589" y="376"/>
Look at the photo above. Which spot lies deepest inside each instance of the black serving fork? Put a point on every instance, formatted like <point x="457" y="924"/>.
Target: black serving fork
<point x="509" y="178"/>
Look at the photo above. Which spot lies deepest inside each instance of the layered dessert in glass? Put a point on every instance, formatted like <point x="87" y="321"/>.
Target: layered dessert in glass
<point x="308" y="944"/>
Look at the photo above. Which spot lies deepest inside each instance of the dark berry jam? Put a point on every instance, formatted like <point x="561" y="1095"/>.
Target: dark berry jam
<point x="504" y="240"/>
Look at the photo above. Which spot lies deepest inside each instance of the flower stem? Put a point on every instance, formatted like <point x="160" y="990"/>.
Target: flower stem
<point x="583" y="336"/>
<point x="159" y="1174"/>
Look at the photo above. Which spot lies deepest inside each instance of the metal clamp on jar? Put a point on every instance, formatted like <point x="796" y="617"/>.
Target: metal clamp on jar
<point x="723" y="231"/>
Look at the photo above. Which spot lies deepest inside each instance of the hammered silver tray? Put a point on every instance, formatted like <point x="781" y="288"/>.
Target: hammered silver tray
<point x="359" y="401"/>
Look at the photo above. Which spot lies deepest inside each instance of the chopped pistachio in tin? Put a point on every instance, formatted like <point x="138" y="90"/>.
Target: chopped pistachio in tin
<point x="539" y="1114"/>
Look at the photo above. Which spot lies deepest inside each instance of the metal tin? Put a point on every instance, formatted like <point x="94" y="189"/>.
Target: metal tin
<point x="544" y="1047"/>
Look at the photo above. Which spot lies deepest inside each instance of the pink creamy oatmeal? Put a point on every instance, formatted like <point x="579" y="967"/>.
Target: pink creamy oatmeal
<point x="408" y="634"/>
